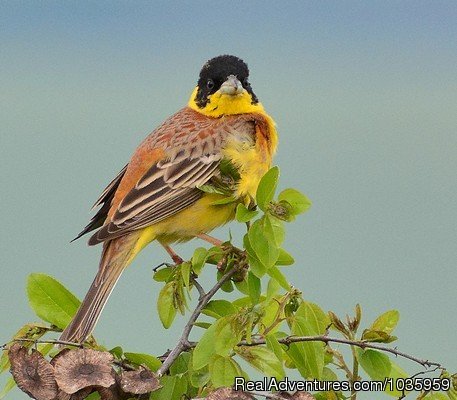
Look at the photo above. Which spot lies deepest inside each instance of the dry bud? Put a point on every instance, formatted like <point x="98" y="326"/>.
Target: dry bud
<point x="82" y="368"/>
<point x="226" y="393"/>
<point x="139" y="382"/>
<point x="32" y="373"/>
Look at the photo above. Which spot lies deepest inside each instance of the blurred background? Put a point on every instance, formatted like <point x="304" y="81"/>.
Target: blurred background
<point x="364" y="95"/>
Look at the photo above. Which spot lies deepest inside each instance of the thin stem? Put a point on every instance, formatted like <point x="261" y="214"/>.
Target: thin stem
<point x="38" y="341"/>
<point x="199" y="287"/>
<point x="363" y="345"/>
<point x="183" y="342"/>
<point x="355" y="372"/>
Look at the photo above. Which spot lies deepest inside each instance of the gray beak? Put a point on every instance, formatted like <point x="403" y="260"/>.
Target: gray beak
<point x="232" y="86"/>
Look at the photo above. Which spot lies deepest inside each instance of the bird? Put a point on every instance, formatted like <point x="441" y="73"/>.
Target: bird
<point x="222" y="138"/>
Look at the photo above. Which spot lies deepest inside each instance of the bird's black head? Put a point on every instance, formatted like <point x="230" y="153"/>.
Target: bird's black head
<point x="225" y="74"/>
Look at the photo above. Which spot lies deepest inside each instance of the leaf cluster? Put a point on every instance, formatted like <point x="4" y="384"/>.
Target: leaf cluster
<point x="267" y="324"/>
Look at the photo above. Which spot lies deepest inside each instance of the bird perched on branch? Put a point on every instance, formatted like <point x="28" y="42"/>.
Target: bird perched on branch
<point x="222" y="139"/>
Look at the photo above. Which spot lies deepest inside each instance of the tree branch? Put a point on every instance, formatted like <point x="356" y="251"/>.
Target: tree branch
<point x="183" y="343"/>
<point x="363" y="345"/>
<point x="40" y="341"/>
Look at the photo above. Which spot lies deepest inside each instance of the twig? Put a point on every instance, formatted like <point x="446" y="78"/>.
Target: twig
<point x="267" y="395"/>
<point x="363" y="345"/>
<point x="183" y="342"/>
<point x="62" y="342"/>
<point x="199" y="287"/>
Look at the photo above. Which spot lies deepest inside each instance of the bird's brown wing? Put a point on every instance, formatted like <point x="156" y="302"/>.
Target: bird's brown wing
<point x="104" y="201"/>
<point x="192" y="151"/>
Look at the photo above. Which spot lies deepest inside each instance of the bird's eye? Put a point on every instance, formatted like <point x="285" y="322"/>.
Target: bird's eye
<point x="245" y="82"/>
<point x="210" y="84"/>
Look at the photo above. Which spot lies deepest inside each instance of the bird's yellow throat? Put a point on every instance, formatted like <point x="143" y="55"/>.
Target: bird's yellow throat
<point x="222" y="104"/>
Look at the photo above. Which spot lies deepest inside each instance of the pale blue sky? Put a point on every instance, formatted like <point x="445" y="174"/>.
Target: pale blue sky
<point x="364" y="94"/>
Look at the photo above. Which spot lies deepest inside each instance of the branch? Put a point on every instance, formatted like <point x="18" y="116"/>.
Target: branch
<point x="183" y="343"/>
<point x="38" y="341"/>
<point x="363" y="345"/>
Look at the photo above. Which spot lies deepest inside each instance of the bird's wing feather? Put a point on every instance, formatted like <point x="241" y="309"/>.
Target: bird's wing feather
<point x="104" y="201"/>
<point x="193" y="152"/>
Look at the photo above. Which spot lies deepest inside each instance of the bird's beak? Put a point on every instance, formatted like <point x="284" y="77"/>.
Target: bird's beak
<point x="232" y="86"/>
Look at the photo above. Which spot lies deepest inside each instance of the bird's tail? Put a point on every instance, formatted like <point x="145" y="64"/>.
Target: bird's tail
<point x="117" y="254"/>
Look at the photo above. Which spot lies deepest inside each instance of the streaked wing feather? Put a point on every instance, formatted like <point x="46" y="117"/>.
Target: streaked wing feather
<point x="163" y="191"/>
<point x="193" y="150"/>
<point x="111" y="188"/>
<point x="105" y="201"/>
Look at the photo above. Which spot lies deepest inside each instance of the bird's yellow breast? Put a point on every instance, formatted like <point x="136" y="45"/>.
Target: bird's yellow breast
<point x="252" y="158"/>
<point x="252" y="161"/>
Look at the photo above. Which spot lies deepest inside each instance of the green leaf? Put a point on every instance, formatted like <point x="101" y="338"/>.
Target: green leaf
<point x="243" y="302"/>
<point x="4" y="361"/>
<point x="386" y="322"/>
<point x="211" y="189"/>
<point x="284" y="258"/>
<point x="163" y="274"/>
<point x="31" y="331"/>
<point x="219" y="308"/>
<point x="199" y="259"/>
<point x="10" y="384"/>
<point x="436" y="396"/>
<point x="93" y="396"/>
<point x="198" y="378"/>
<point x="226" y="335"/>
<point x="181" y="364"/>
<point x="223" y="371"/>
<point x="224" y="200"/>
<point x="165" y="305"/>
<point x="205" y="348"/>
<point x="185" y="273"/>
<point x="376" y="364"/>
<point x="329" y="375"/>
<point x="272" y="289"/>
<point x="229" y="169"/>
<point x="264" y="247"/>
<point x="267" y="187"/>
<point x="307" y="356"/>
<point x="377" y="336"/>
<point x="28" y="331"/>
<point x="242" y="286"/>
<point x="243" y="214"/>
<point x="276" y="274"/>
<point x="379" y="367"/>
<point x="117" y="352"/>
<point x="204" y="325"/>
<point x="396" y="373"/>
<point x="263" y="359"/>
<point x="173" y="388"/>
<point x="317" y="319"/>
<point x="254" y="288"/>
<point x="270" y="314"/>
<point x="227" y="285"/>
<point x="45" y="348"/>
<point x="215" y="254"/>
<point x="50" y="300"/>
<point x="274" y="229"/>
<point x="257" y="268"/>
<point x="153" y="363"/>
<point x="274" y="346"/>
<point x="298" y="201"/>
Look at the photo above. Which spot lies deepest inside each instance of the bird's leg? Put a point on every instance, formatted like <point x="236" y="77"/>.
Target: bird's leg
<point x="210" y="239"/>
<point x="176" y="259"/>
